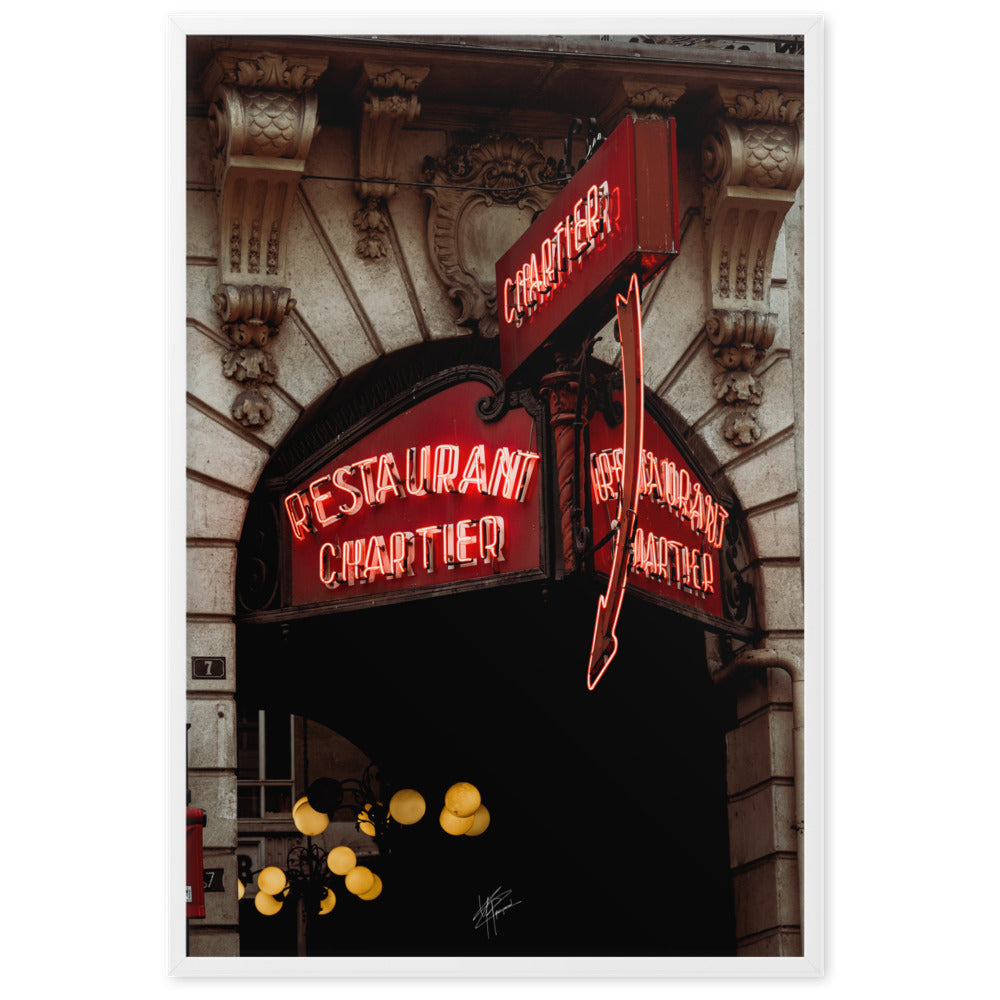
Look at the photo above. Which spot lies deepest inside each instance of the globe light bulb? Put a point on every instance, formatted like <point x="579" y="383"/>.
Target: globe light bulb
<point x="462" y="799"/>
<point x="341" y="860"/>
<point x="407" y="806"/>
<point x="359" y="880"/>
<point x="307" y="820"/>
<point x="327" y="903"/>
<point x="480" y="820"/>
<point x="455" y="825"/>
<point x="374" y="891"/>
<point x="271" y="880"/>
<point x="267" y="904"/>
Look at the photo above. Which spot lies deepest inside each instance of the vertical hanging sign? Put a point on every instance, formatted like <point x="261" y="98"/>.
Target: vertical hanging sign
<point x="617" y="216"/>
<point x="615" y="222"/>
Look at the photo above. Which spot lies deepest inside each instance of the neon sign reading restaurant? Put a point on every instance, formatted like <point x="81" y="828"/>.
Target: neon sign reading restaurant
<point x="662" y="482"/>
<point x="682" y="528"/>
<point x="667" y="485"/>
<point x="424" y="471"/>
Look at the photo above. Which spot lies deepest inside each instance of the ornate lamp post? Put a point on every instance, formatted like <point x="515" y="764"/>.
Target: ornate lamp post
<point x="312" y="873"/>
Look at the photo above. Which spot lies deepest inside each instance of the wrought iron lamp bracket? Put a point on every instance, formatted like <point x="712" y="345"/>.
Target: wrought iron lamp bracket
<point x="594" y="141"/>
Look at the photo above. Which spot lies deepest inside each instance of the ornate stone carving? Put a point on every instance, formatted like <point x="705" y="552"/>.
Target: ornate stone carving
<point x="651" y="100"/>
<point x="262" y="120"/>
<point x="251" y="316"/>
<point x="752" y="164"/>
<point x="390" y="101"/>
<point x="372" y="223"/>
<point x="768" y="104"/>
<point x="270" y="70"/>
<point x="489" y="193"/>
<point x="252" y="408"/>
<point x="261" y="141"/>
<point x="253" y="313"/>
<point x="737" y="575"/>
<point x="751" y="332"/>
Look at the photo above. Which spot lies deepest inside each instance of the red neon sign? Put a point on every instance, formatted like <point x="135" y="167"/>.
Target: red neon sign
<point x="604" y="644"/>
<point x="544" y="275"/>
<point x="681" y="526"/>
<point x="511" y="477"/>
<point x="433" y="496"/>
<point x="452" y="546"/>
<point x="617" y="216"/>
<point x="665" y="484"/>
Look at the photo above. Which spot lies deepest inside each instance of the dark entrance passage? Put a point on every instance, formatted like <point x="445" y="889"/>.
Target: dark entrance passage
<point x="608" y="810"/>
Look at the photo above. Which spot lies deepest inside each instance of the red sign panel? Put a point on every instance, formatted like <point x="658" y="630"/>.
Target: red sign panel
<point x="433" y="497"/>
<point x="680" y="526"/>
<point x="195" y="863"/>
<point x="618" y="216"/>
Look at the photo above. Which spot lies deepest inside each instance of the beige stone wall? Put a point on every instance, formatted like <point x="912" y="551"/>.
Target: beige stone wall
<point x="349" y="311"/>
<point x="767" y="479"/>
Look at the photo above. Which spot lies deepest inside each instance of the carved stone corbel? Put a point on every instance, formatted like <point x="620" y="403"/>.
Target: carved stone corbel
<point x="262" y="118"/>
<point x="752" y="164"/>
<point x="390" y="101"/>
<point x="651" y="100"/>
<point x="487" y="197"/>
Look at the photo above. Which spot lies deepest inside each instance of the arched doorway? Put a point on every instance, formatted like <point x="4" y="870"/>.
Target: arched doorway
<point x="609" y="824"/>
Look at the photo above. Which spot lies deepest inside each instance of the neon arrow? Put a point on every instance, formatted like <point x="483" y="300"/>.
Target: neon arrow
<point x="605" y="643"/>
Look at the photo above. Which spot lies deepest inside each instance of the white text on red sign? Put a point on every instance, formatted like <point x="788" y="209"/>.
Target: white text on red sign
<point x="664" y="484"/>
<point x="370" y="482"/>
<point x="541" y="276"/>
<point x="364" y="560"/>
<point x="425" y="471"/>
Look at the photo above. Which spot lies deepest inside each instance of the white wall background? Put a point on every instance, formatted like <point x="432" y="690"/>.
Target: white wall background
<point x="912" y="688"/>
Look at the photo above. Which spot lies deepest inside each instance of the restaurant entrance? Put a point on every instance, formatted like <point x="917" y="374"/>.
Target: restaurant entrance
<point x="608" y="831"/>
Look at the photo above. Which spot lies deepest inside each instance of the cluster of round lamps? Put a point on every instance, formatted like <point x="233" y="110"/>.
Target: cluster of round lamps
<point x="463" y="814"/>
<point x="358" y="880"/>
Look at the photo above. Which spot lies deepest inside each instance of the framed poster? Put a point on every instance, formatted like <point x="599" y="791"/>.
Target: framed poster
<point x="405" y="454"/>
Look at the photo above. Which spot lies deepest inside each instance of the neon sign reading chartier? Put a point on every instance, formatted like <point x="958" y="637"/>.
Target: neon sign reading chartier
<point x="337" y="495"/>
<point x="544" y="273"/>
<point x="364" y="560"/>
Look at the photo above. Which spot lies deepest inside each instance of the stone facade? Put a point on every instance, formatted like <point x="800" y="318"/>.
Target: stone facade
<point x="319" y="240"/>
